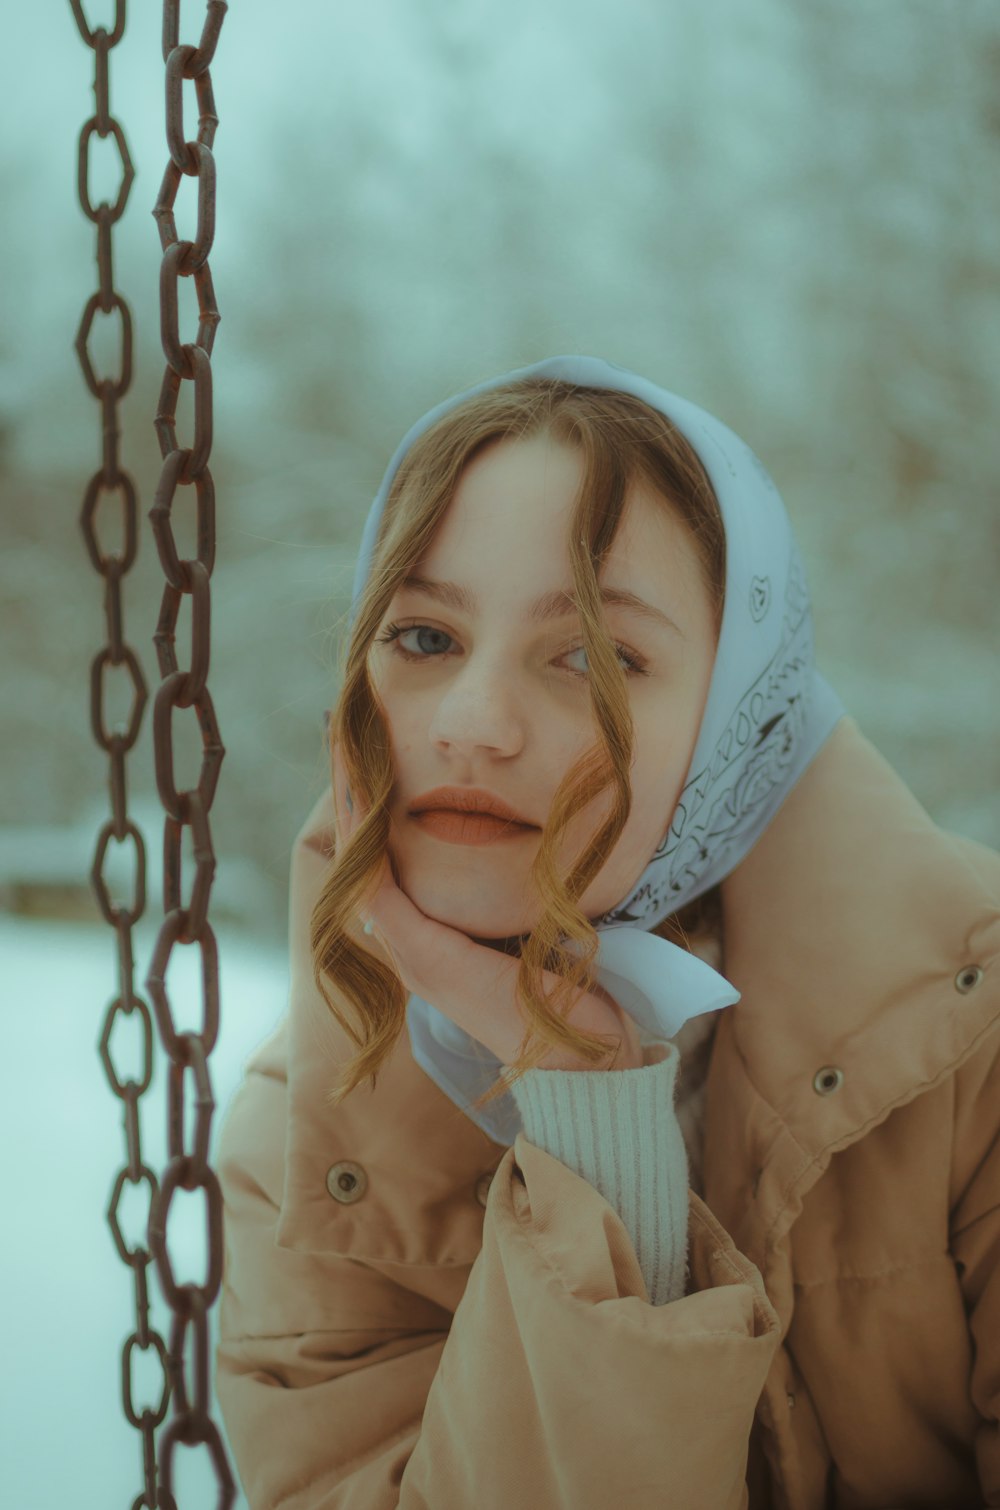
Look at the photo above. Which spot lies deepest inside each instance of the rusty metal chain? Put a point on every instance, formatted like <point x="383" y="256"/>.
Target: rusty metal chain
<point x="112" y="478"/>
<point x="185" y="921"/>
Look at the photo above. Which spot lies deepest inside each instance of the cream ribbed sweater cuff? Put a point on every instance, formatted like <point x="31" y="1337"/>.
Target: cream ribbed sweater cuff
<point x="617" y="1129"/>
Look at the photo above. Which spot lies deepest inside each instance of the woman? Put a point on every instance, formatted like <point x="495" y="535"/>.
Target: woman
<point x="708" y="1006"/>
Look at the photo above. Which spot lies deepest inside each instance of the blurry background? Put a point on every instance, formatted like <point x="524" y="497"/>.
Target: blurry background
<point x="787" y="213"/>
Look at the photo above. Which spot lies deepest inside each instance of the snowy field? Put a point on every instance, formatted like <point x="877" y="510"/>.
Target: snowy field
<point x="68" y="1298"/>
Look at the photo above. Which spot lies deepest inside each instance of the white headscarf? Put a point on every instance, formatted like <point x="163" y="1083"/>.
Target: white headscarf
<point x="767" y="714"/>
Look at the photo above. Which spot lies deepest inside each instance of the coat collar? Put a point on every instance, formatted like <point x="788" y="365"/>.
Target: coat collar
<point x="856" y="931"/>
<point x="847" y="928"/>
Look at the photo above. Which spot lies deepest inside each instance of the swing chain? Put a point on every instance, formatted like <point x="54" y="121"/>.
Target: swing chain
<point x="112" y="568"/>
<point x="185" y="920"/>
<point x="187" y="1168"/>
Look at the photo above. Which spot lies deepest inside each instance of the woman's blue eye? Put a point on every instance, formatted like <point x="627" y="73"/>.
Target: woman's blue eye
<point x="394" y="632"/>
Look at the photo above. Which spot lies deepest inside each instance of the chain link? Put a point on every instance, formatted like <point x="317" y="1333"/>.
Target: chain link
<point x="185" y="922"/>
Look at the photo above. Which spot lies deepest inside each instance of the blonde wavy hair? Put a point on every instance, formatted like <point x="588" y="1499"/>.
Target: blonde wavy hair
<point x="622" y="440"/>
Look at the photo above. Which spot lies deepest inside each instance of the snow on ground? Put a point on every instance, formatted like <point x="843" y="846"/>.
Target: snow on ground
<point x="68" y="1297"/>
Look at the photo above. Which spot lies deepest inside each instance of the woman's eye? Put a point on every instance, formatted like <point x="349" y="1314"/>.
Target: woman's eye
<point x="394" y="634"/>
<point x="628" y="658"/>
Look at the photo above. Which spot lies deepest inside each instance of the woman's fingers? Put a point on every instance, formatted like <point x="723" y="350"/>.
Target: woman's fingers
<point x="428" y="954"/>
<point x="343" y="813"/>
<point x="349" y="811"/>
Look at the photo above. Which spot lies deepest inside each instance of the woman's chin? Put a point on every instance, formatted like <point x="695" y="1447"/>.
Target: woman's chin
<point x="483" y="921"/>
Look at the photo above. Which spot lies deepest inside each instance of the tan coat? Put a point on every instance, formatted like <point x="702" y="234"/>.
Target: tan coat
<point x="386" y="1339"/>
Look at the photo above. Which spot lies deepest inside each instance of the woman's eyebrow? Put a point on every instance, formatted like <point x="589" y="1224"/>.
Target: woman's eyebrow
<point x="553" y="605"/>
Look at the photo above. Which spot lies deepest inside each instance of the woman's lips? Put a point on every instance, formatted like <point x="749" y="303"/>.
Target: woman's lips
<point x="469" y="828"/>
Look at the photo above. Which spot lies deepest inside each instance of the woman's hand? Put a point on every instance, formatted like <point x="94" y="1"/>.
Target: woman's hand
<point x="469" y="983"/>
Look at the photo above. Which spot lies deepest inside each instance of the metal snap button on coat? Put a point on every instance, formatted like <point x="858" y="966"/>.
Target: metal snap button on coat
<point x="483" y="1188"/>
<point x="346" y="1181"/>
<point x="968" y="978"/>
<point x="830" y="1078"/>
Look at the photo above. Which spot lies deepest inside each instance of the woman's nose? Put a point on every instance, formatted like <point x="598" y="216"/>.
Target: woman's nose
<point x="480" y="709"/>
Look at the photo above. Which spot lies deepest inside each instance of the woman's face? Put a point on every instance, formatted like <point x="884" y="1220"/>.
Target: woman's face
<point x="494" y="697"/>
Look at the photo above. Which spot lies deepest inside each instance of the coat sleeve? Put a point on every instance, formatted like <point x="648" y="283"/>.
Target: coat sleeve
<point x="975" y="1246"/>
<point x="553" y="1383"/>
